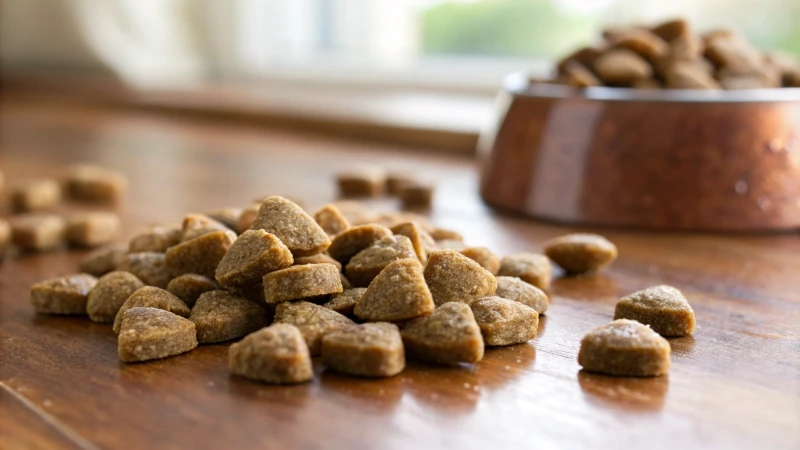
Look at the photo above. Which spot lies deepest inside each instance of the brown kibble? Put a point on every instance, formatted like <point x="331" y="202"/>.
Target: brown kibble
<point x="301" y="282"/>
<point x="92" y="229"/>
<point x="5" y="237"/>
<point x="62" y="295"/>
<point x="247" y="217"/>
<point x="663" y="308"/>
<point x="396" y="181"/>
<point x="196" y="225"/>
<point x="156" y="238"/>
<point x="345" y="302"/>
<point x="644" y="43"/>
<point x="685" y="75"/>
<point x="276" y="354"/>
<point x="319" y="258"/>
<point x="367" y="182"/>
<point x="190" y="286"/>
<point x="625" y="348"/>
<point x="151" y="297"/>
<point x="200" y="255"/>
<point x="228" y="216"/>
<point x="254" y="254"/>
<point x="421" y="241"/>
<point x="529" y="267"/>
<point x="398" y="293"/>
<point x="345" y="282"/>
<point x="221" y="316"/>
<point x="95" y="184"/>
<point x="452" y="277"/>
<point x="585" y="56"/>
<point x="331" y="220"/>
<point x="347" y="243"/>
<point x="152" y="333"/>
<point x="672" y="29"/>
<point x="35" y="195"/>
<point x="313" y="321"/>
<point x="448" y="336"/>
<point x="368" y="263"/>
<point x="517" y="290"/>
<point x="104" y="259"/>
<point x="109" y="294"/>
<point x="484" y="257"/>
<point x="416" y="196"/>
<point x="444" y="234"/>
<point x="38" y="232"/>
<point x="449" y="244"/>
<point x="621" y="67"/>
<point x="150" y="267"/>
<point x="580" y="252"/>
<point x="577" y="75"/>
<point x="292" y="226"/>
<point x="732" y="53"/>
<point x="504" y="322"/>
<point x="368" y="350"/>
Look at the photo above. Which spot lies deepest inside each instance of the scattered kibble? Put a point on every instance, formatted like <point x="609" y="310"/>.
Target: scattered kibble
<point x="156" y="238"/>
<point x="276" y="354"/>
<point x="62" y="295"/>
<point x="221" y="316"/>
<point x="416" y="196"/>
<point x="95" y="184"/>
<point x="452" y="277"/>
<point x="151" y="297"/>
<point x="254" y="254"/>
<point x="296" y="229"/>
<point x="367" y="350"/>
<point x="625" y="348"/>
<point x="196" y="225"/>
<point x="37" y="232"/>
<point x="35" y="195"/>
<point x="190" y="286"/>
<point x="531" y="268"/>
<point x="662" y="308"/>
<point x="319" y="258"/>
<point x="448" y="336"/>
<point x="331" y="220"/>
<point x="92" y="229"/>
<point x="368" y="263"/>
<point x="351" y="241"/>
<point x="150" y="267"/>
<point x="313" y="321"/>
<point x="301" y="282"/>
<point x="395" y="182"/>
<point x="200" y="255"/>
<point x="504" y="322"/>
<point x="366" y="182"/>
<point x="104" y="259"/>
<point x="152" y="333"/>
<point x="422" y="242"/>
<point x="109" y="294"/>
<point x="398" y="293"/>
<point x="581" y="252"/>
<point x="345" y="302"/>
<point x="515" y="289"/>
<point x="482" y="256"/>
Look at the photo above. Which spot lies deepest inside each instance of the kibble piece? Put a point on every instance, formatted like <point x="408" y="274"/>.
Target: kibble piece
<point x="152" y="333"/>
<point x="109" y="294"/>
<point x="517" y="290"/>
<point x="504" y="322"/>
<point x="347" y="243"/>
<point x="92" y="229"/>
<point x="95" y="184"/>
<point x="484" y="257"/>
<point x="37" y="231"/>
<point x="531" y="268"/>
<point x="104" y="259"/>
<point x="62" y="295"/>
<point x="200" y="255"/>
<point x="196" y="225"/>
<point x="584" y="56"/>
<point x="687" y="75"/>
<point x="644" y="43"/>
<point x="5" y="237"/>
<point x="422" y="242"/>
<point x="577" y="75"/>
<point x="366" y="182"/>
<point x="156" y="238"/>
<point x="345" y="302"/>
<point x="319" y="258"/>
<point x="331" y="220"/>
<point x="416" y="196"/>
<point x="300" y="282"/>
<point x="452" y="277"/>
<point x="150" y="267"/>
<point x="671" y="29"/>
<point x="276" y="354"/>
<point x="368" y="350"/>
<point x="398" y="293"/>
<point x="313" y="321"/>
<point x="254" y="254"/>
<point x="368" y="263"/>
<point x="580" y="252"/>
<point x="222" y="316"/>
<point x="395" y="182"/>
<point x="35" y="195"/>
<point x="345" y="282"/>
<point x="247" y="217"/>
<point x="227" y="216"/>
<point x="732" y="53"/>
<point x="621" y="67"/>
<point x="190" y="286"/>
<point x="448" y="336"/>
<point x="449" y="244"/>
<point x="444" y="234"/>
<point x="625" y="348"/>
<point x="292" y="226"/>
<point x="663" y="308"/>
<point x="151" y="297"/>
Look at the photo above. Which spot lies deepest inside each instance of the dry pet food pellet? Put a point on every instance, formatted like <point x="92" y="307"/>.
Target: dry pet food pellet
<point x="254" y="254"/>
<point x="396" y="181"/>
<point x="580" y="252"/>
<point x="200" y="255"/>
<point x="196" y="225"/>
<point x="109" y="294"/>
<point x="368" y="350"/>
<point x="222" y="316"/>
<point x="92" y="229"/>
<point x="95" y="184"/>
<point x="292" y="226"/>
<point x="331" y="220"/>
<point x="687" y="75"/>
<point x="37" y="232"/>
<point x="366" y="182"/>
<point x="247" y="217"/>
<point x="671" y="29"/>
<point x="62" y="295"/>
<point x="150" y="267"/>
<point x="300" y="282"/>
<point x="625" y="348"/>
<point x="156" y="238"/>
<point x="104" y="260"/>
<point x="347" y="243"/>
<point x="313" y="321"/>
<point x="151" y="297"/>
<point x="189" y="286"/>
<point x="368" y="263"/>
<point x="398" y="293"/>
<point x="452" y="277"/>
<point x="345" y="282"/>
<point x="504" y="322"/>
<point x="35" y="195"/>
<point x="531" y="268"/>
<point x="448" y="244"/>
<point x="345" y="302"/>
<point x="276" y="354"/>
<point x="448" y="336"/>
<point x="644" y="43"/>
<point x="577" y="75"/>
<point x="584" y="56"/>
<point x="484" y="257"/>
<point x="5" y="237"/>
<point x="663" y="308"/>
<point x="621" y="67"/>
<point x="515" y="289"/>
<point x="319" y="258"/>
<point x="443" y="234"/>
<point x="416" y="196"/>
<point x="227" y="216"/>
<point x="422" y="242"/>
<point x="152" y="333"/>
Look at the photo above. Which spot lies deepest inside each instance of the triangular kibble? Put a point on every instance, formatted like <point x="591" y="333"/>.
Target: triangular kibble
<point x="663" y="308"/>
<point x="151" y="297"/>
<point x="625" y="348"/>
<point x="448" y="336"/>
<point x="368" y="263"/>
<point x="452" y="277"/>
<point x="152" y="333"/>
<point x="398" y="293"/>
<point x="254" y="254"/>
<point x="222" y="316"/>
<point x="276" y="354"/>
<point x="293" y="226"/>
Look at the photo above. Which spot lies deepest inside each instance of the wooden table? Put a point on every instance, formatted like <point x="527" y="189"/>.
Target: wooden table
<point x="734" y="384"/>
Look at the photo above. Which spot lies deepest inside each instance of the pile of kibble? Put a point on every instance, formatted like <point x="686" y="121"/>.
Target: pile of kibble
<point x="671" y="55"/>
<point x="365" y="291"/>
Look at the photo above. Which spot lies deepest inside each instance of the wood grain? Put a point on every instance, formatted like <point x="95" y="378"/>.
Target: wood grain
<point x="734" y="384"/>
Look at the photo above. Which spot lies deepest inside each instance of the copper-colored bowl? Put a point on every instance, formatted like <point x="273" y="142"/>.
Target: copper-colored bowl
<point x="682" y="160"/>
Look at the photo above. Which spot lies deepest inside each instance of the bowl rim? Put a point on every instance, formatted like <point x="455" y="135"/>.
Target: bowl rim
<point x="517" y="84"/>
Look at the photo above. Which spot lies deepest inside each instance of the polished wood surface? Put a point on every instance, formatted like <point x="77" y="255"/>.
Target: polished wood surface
<point x="734" y="384"/>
